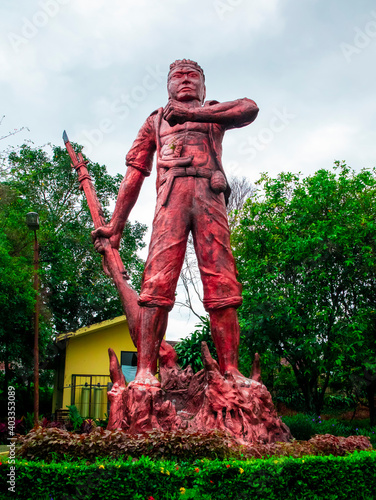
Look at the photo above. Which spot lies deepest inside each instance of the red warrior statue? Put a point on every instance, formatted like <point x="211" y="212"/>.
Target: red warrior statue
<point x="192" y="191"/>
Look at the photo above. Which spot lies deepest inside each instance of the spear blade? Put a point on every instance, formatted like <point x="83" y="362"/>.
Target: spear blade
<point x="76" y="160"/>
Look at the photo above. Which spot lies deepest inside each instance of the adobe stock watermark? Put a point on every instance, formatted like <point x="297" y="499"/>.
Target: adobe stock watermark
<point x="122" y="106"/>
<point x="362" y="39"/>
<point x="224" y="7"/>
<point x="11" y="437"/>
<point x="232" y="168"/>
<point x="280" y="120"/>
<point x="32" y="25"/>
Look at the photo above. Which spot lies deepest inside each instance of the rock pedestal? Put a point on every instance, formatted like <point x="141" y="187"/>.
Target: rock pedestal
<point x="203" y="401"/>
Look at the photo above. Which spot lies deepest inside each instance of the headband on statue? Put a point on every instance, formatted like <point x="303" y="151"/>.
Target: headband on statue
<point x="186" y="62"/>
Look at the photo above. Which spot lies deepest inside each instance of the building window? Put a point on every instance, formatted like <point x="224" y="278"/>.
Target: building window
<point x="129" y="365"/>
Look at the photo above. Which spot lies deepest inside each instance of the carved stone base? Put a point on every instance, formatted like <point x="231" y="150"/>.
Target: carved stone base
<point x="203" y="401"/>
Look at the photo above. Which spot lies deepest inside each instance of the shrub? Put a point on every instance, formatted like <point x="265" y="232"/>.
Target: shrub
<point x="339" y="402"/>
<point x="56" y="444"/>
<point x="327" y="444"/>
<point x="45" y="443"/>
<point x="18" y="428"/>
<point x="189" y="349"/>
<point x="303" y="427"/>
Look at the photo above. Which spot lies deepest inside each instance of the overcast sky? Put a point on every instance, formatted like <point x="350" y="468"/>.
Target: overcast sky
<point x="98" y="68"/>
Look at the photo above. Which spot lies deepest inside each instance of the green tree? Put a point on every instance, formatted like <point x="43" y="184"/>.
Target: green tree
<point x="74" y="290"/>
<point x="4" y="135"/>
<point x="17" y="298"/>
<point x="17" y="302"/>
<point x="305" y="252"/>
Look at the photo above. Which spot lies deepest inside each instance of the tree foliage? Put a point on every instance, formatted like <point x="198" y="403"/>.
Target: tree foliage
<point x="305" y="252"/>
<point x="241" y="190"/>
<point x="5" y="152"/>
<point x="74" y="292"/>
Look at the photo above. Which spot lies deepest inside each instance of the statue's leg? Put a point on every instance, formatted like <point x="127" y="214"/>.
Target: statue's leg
<point x="152" y="326"/>
<point x="171" y="227"/>
<point x="222" y="292"/>
<point x="225" y="332"/>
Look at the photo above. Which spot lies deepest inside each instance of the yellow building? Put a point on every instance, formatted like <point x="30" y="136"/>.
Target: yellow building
<point x="83" y="377"/>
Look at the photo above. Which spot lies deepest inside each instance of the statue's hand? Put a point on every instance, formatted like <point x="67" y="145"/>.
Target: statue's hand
<point x="175" y="112"/>
<point x="108" y="232"/>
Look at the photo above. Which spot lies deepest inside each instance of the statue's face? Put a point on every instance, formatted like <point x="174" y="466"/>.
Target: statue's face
<point x="186" y="84"/>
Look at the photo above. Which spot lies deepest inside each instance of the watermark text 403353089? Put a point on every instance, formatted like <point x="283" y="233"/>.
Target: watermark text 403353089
<point x="12" y="446"/>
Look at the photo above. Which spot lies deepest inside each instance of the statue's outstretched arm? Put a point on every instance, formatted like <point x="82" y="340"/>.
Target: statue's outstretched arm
<point x="232" y="114"/>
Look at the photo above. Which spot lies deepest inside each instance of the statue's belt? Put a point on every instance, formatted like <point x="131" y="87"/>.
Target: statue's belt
<point x="173" y="172"/>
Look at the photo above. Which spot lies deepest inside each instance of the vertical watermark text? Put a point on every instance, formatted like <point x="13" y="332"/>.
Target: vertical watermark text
<point x="11" y="437"/>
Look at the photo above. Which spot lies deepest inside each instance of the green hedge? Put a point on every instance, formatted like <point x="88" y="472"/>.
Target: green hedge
<point x="352" y="476"/>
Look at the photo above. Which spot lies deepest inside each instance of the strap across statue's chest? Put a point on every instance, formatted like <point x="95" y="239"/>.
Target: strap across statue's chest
<point x="166" y="130"/>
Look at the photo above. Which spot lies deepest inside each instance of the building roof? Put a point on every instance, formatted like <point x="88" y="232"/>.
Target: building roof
<point x="86" y="330"/>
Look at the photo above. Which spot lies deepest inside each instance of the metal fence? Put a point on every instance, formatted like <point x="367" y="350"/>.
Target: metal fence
<point x="89" y="394"/>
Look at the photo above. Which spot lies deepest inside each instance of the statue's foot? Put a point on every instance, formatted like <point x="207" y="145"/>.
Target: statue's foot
<point x="240" y="379"/>
<point x="145" y="377"/>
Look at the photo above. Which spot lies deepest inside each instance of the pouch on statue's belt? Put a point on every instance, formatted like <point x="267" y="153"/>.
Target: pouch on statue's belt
<point x="218" y="182"/>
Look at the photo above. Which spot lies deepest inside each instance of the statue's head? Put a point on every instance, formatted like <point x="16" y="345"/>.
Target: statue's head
<point x="186" y="81"/>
